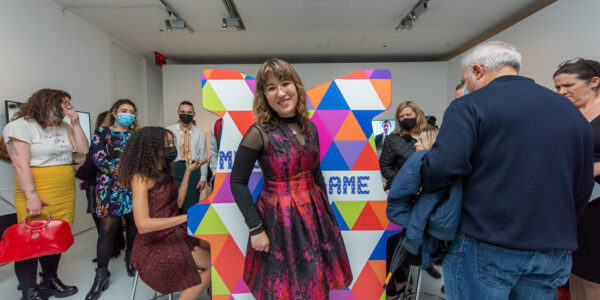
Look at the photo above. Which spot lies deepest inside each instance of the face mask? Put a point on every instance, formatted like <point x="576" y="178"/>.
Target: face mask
<point x="125" y="119"/>
<point x="185" y="118"/>
<point x="170" y="154"/>
<point x="408" y="124"/>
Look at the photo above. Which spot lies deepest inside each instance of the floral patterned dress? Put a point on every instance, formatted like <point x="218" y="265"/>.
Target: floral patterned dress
<point x="112" y="200"/>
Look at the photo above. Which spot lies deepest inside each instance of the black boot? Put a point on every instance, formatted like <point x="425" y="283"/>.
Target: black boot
<point x="33" y="293"/>
<point x="52" y="286"/>
<point x="128" y="264"/>
<point x="100" y="284"/>
<point x="433" y="272"/>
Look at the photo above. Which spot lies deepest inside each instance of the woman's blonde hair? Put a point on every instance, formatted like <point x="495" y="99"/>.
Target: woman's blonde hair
<point x="428" y="135"/>
<point x="266" y="117"/>
<point x="421" y="122"/>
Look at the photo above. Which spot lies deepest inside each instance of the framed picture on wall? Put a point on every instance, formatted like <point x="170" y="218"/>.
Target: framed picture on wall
<point x="11" y="108"/>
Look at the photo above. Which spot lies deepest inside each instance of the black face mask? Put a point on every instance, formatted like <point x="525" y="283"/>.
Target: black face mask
<point x="170" y="154"/>
<point x="185" y="118"/>
<point x="408" y="124"/>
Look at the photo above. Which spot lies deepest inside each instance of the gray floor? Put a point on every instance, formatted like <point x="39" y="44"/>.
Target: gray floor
<point x="77" y="268"/>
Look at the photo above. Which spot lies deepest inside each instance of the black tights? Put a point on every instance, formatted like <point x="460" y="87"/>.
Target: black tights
<point x="108" y="232"/>
<point x="26" y="269"/>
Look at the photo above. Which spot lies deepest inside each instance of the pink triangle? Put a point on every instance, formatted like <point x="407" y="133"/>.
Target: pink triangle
<point x="350" y="150"/>
<point x="203" y="76"/>
<point x="324" y="137"/>
<point x="369" y="72"/>
<point x="341" y="295"/>
<point x="251" y="84"/>
<point x="224" y="195"/>
<point x="241" y="287"/>
<point x="333" y="119"/>
<point x="393" y="226"/>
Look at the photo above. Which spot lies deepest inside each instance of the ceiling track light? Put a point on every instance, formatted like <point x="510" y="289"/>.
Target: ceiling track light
<point x="233" y="20"/>
<point x="177" y="21"/>
<point x="411" y="18"/>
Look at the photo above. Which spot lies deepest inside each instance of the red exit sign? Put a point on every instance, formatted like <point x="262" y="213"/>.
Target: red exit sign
<point x="160" y="59"/>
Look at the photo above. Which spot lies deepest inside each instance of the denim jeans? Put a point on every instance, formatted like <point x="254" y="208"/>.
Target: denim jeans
<point x="477" y="270"/>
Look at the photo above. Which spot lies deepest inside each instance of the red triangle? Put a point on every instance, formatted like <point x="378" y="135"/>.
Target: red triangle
<point x="230" y="263"/>
<point x="367" y="285"/>
<point x="378" y="267"/>
<point x="360" y="74"/>
<point x="367" y="160"/>
<point x="243" y="119"/>
<point x="379" y="209"/>
<point x="224" y="74"/>
<point x="367" y="220"/>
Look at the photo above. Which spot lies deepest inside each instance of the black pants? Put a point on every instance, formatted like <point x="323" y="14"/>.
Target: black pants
<point x="26" y="269"/>
<point x="7" y="221"/>
<point x="110" y="228"/>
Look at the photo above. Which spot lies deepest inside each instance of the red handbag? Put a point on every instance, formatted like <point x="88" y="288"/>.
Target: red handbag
<point x="36" y="238"/>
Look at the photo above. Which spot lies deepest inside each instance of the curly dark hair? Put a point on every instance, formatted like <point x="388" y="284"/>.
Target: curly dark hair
<point x="41" y="104"/>
<point x="143" y="152"/>
<point x="109" y="120"/>
<point x="3" y="151"/>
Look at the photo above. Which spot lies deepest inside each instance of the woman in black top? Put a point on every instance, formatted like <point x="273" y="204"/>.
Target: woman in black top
<point x="579" y="81"/>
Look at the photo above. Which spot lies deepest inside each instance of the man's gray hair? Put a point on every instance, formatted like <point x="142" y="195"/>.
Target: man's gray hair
<point x="493" y="55"/>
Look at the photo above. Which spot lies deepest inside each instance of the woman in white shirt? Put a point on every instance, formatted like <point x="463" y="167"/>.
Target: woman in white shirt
<point x="40" y="145"/>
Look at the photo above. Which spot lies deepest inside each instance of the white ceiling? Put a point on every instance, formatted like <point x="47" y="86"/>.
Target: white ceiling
<point x="300" y="30"/>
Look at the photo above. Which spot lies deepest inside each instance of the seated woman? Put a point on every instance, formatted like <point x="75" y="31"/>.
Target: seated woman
<point x="166" y="258"/>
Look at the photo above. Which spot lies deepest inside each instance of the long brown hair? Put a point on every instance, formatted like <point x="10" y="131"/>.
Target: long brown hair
<point x="109" y="120"/>
<point x="41" y="105"/>
<point x="266" y="117"/>
<point x="421" y="122"/>
<point x="3" y="151"/>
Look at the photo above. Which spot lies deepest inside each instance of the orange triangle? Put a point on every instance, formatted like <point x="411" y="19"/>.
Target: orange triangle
<point x="383" y="87"/>
<point x="367" y="220"/>
<point x="242" y="119"/>
<point x="367" y="160"/>
<point x="378" y="267"/>
<point x="207" y="73"/>
<point x="316" y="94"/>
<point x="379" y="210"/>
<point x="367" y="284"/>
<point x="216" y="242"/>
<point x="350" y="130"/>
<point x="225" y="74"/>
<point x="220" y="113"/>
<point x="221" y="297"/>
<point x="360" y="74"/>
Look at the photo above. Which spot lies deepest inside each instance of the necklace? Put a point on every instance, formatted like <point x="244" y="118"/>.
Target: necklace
<point x="291" y="120"/>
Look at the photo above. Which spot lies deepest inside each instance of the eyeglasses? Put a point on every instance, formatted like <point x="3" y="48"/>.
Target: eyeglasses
<point x="578" y="60"/>
<point x="274" y="89"/>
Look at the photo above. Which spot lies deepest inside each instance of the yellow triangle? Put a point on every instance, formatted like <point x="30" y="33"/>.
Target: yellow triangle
<point x="210" y="100"/>
<point x="218" y="285"/>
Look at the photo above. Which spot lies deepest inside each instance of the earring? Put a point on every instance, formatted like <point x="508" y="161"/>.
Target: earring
<point x="116" y="123"/>
<point x="131" y="126"/>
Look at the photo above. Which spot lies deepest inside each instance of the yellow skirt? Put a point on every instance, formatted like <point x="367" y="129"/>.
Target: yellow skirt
<point x="56" y="186"/>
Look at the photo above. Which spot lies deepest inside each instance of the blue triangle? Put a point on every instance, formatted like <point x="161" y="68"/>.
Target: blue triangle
<point x="380" y="250"/>
<point x="203" y="82"/>
<point x="333" y="160"/>
<point x="195" y="215"/>
<point x="365" y="120"/>
<point x="333" y="99"/>
<point x="338" y="217"/>
<point x="257" y="189"/>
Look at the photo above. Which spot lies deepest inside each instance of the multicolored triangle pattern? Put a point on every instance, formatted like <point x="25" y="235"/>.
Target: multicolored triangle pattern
<point x="346" y="143"/>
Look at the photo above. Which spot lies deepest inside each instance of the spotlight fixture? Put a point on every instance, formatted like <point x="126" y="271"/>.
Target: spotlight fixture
<point x="409" y="20"/>
<point x="174" y="20"/>
<point x="233" y="20"/>
<point x="168" y="25"/>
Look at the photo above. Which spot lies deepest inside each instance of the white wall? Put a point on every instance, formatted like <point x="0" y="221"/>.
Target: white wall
<point x="422" y="82"/>
<point x="42" y="46"/>
<point x="560" y="31"/>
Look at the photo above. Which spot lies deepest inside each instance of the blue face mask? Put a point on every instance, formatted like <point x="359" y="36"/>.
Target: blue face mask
<point x="125" y="119"/>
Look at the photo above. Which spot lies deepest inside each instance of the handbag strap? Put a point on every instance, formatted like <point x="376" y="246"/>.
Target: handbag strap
<point x="27" y="226"/>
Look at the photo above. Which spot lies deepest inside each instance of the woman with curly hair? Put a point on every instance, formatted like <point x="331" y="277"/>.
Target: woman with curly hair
<point x="166" y="258"/>
<point x="40" y="145"/>
<point x="113" y="200"/>
<point x="295" y="250"/>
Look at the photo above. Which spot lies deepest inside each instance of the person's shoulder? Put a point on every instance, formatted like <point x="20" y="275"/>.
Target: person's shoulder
<point x="172" y="127"/>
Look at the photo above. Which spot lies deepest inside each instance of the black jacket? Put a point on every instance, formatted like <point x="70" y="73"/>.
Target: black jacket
<point x="396" y="151"/>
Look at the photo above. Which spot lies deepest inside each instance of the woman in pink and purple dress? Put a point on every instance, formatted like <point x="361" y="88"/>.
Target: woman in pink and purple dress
<point x="296" y="249"/>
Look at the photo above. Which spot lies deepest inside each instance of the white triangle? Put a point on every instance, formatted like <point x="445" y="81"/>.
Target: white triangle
<point x="234" y="222"/>
<point x="359" y="94"/>
<point x="230" y="141"/>
<point x="246" y="296"/>
<point x="233" y="93"/>
<point x="360" y="245"/>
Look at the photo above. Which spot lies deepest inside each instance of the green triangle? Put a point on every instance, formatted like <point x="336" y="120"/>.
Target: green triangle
<point x="211" y="223"/>
<point x="310" y="113"/>
<point x="210" y="100"/>
<point x="350" y="210"/>
<point x="218" y="285"/>
<point x="383" y="296"/>
<point x="372" y="142"/>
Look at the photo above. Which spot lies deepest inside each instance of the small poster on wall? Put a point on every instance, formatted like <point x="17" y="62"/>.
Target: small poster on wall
<point x="11" y="108"/>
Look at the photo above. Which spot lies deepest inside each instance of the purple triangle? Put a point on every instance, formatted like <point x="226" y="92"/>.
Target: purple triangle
<point x="204" y="76"/>
<point x="309" y="103"/>
<point x="254" y="179"/>
<point x="340" y="295"/>
<point x="369" y="72"/>
<point x="224" y="195"/>
<point x="251" y="84"/>
<point x="333" y="119"/>
<point x="381" y="74"/>
<point x="350" y="150"/>
<point x="393" y="226"/>
<point x="241" y="287"/>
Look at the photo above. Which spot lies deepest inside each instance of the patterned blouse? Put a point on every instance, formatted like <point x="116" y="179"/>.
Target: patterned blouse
<point x="112" y="200"/>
